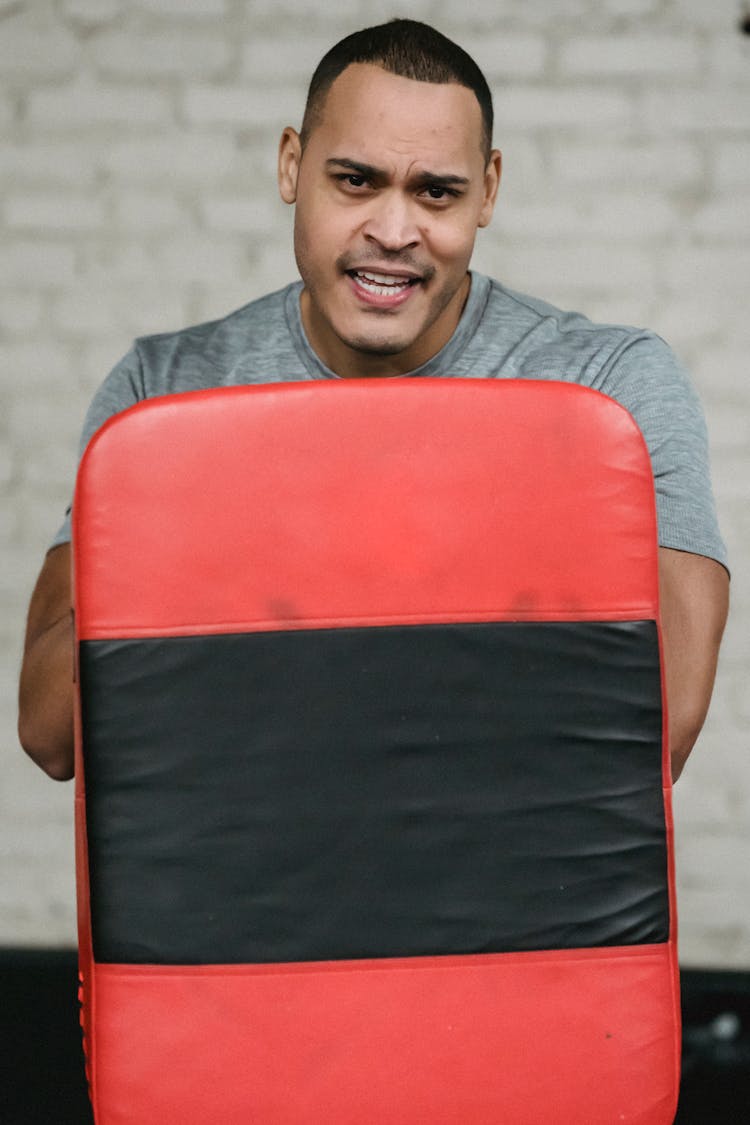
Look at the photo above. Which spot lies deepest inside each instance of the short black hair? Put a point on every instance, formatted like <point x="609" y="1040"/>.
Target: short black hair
<point x="409" y="49"/>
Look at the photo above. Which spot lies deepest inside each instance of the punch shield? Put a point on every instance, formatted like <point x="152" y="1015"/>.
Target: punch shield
<point x="373" y="798"/>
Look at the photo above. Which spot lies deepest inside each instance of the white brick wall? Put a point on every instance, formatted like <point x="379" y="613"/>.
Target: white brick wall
<point x="138" y="193"/>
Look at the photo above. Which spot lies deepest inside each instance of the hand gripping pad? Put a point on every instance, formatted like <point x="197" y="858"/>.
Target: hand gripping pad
<point x="375" y="826"/>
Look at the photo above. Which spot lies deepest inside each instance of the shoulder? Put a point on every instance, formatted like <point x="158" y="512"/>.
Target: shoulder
<point x="246" y="346"/>
<point x="551" y="342"/>
<point x="209" y="354"/>
<point x="533" y="339"/>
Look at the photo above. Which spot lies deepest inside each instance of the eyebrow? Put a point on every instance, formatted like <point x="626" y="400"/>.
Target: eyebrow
<point x="370" y="172"/>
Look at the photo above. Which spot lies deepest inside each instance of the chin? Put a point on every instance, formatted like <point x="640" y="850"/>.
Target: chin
<point x="377" y="347"/>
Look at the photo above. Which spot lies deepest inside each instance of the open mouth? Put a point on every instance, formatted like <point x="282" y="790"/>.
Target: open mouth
<point x="382" y="284"/>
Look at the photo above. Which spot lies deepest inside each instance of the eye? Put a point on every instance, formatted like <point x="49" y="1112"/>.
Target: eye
<point x="351" y="180"/>
<point x="439" y="193"/>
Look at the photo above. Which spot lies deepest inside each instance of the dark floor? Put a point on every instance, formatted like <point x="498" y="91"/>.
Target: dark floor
<point x="42" y="1081"/>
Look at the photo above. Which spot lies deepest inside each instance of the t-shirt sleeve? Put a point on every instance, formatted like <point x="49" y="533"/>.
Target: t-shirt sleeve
<point x="648" y="380"/>
<point x="122" y="388"/>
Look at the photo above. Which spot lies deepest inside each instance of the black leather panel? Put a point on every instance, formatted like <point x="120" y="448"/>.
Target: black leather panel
<point x="377" y="792"/>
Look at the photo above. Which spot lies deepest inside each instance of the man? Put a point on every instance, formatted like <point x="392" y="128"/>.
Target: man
<point x="391" y="175"/>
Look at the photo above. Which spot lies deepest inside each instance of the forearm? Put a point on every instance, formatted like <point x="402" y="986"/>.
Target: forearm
<point x="694" y="603"/>
<point x="45" y="712"/>
<point x="45" y="697"/>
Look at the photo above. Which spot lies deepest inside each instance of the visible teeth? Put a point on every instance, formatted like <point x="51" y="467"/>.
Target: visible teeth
<point x="383" y="278"/>
<point x="381" y="284"/>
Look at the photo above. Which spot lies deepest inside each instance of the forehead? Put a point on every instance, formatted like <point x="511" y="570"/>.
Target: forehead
<point x="373" y="112"/>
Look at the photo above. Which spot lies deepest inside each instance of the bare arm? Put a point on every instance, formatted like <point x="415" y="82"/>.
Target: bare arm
<point x="694" y="593"/>
<point x="45" y="711"/>
<point x="694" y="600"/>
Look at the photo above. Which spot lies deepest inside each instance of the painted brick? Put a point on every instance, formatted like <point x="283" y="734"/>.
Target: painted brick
<point x="20" y="311"/>
<point x="340" y="14"/>
<point x="7" y="464"/>
<point x="190" y="8"/>
<point x="6" y="111"/>
<point x="62" y="211"/>
<point x="699" y="803"/>
<point x="702" y="948"/>
<point x="583" y="265"/>
<point x="705" y="853"/>
<point x="148" y="211"/>
<point x="614" y="218"/>
<point x="486" y="14"/>
<point x="274" y="266"/>
<point x="262" y="57"/>
<point x="84" y="310"/>
<point x="211" y="302"/>
<point x="521" y="108"/>
<point x="732" y="163"/>
<point x="172" y="157"/>
<point x="727" y="217"/>
<point x="729" y="60"/>
<point x="31" y="45"/>
<point x="150" y="307"/>
<point x="730" y="484"/>
<point x="43" y="511"/>
<point x="695" y="318"/>
<point x="91" y="13"/>
<point x="698" y="268"/>
<point x="620" y="9"/>
<point x="524" y="167"/>
<point x="616" y="55"/>
<point x="670" y="164"/>
<point x="13" y="570"/>
<point x="46" y="882"/>
<point x="175" y="51"/>
<point x="735" y="649"/>
<point x="124" y="259"/>
<point x="36" y="263"/>
<point x="10" y="517"/>
<point x="242" y="213"/>
<point x="239" y="106"/>
<point x="623" y="196"/>
<point x="197" y="257"/>
<point x="46" y="161"/>
<point x="86" y="103"/>
<point x="730" y="429"/>
<point x="46" y="418"/>
<point x="507" y="54"/>
<point x="695" y="110"/>
<point x="719" y="16"/>
<point x="741" y="701"/>
<point x="630" y="309"/>
<point x="37" y="366"/>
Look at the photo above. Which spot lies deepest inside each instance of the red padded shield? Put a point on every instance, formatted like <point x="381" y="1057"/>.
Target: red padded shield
<point x="354" y="506"/>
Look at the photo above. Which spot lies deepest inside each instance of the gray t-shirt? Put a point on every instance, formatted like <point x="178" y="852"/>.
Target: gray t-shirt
<point x="501" y="335"/>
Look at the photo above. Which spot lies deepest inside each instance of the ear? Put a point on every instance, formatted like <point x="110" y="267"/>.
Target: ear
<point x="290" y="154"/>
<point x="492" y="177"/>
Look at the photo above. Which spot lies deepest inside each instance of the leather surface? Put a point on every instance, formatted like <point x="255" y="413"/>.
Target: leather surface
<point x="270" y="513"/>
<point x="386" y="792"/>
<point x="566" y="1039"/>
<point x="344" y="503"/>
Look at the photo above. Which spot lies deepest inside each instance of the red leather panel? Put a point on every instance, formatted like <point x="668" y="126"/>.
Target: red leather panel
<point x="494" y="525"/>
<point x="371" y="1043"/>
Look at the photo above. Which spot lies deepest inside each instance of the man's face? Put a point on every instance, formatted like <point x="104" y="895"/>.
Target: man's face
<point x="389" y="192"/>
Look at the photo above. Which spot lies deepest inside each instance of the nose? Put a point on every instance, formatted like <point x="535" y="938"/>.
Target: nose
<point x="392" y="221"/>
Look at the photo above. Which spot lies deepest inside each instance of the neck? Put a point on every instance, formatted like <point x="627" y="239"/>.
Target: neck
<point x="348" y="360"/>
